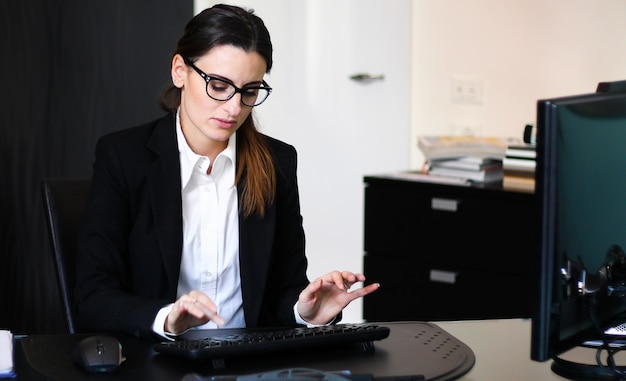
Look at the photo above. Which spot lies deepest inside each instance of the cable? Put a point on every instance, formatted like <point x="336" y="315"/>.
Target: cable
<point x="610" y="360"/>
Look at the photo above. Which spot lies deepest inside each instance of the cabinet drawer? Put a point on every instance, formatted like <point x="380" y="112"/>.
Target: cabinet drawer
<point x="395" y="219"/>
<point x="421" y="291"/>
<point x="459" y="226"/>
<point x="445" y="252"/>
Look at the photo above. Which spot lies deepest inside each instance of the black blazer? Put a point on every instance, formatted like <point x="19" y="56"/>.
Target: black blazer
<point x="130" y="244"/>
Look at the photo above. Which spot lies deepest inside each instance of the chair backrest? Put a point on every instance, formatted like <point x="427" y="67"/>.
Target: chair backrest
<point x="64" y="203"/>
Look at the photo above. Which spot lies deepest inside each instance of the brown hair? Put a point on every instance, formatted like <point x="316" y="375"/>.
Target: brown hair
<point x="235" y="26"/>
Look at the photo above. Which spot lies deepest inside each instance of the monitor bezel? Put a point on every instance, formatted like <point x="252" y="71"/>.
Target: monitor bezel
<point x="545" y="344"/>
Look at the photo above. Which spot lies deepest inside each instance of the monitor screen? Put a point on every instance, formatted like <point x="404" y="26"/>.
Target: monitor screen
<point x="581" y="193"/>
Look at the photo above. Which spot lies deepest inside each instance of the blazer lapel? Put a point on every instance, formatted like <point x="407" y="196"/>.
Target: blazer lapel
<point x="255" y="239"/>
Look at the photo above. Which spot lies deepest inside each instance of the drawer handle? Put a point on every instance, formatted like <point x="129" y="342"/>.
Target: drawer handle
<point x="442" y="276"/>
<point x="445" y="204"/>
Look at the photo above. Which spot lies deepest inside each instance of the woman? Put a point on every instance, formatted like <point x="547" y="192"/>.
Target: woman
<point x="194" y="219"/>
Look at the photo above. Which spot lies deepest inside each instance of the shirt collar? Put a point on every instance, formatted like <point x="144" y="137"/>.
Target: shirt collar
<point x="188" y="158"/>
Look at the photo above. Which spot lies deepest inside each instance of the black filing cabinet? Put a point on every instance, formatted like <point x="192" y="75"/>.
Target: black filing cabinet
<point x="447" y="252"/>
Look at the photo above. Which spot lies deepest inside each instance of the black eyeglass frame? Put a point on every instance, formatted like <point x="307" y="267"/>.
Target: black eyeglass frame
<point x="207" y="78"/>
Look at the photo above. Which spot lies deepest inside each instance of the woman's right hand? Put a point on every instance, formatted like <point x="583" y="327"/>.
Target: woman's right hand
<point x="191" y="310"/>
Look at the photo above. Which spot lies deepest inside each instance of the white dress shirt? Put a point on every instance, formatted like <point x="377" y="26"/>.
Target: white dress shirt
<point x="210" y="258"/>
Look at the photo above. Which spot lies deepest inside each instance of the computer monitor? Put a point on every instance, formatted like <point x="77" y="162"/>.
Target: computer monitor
<point x="611" y="87"/>
<point x="581" y="194"/>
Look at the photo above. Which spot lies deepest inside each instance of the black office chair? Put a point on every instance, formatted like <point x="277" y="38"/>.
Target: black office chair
<point x="64" y="203"/>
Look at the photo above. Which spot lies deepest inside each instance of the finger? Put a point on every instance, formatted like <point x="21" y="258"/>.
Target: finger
<point x="204" y="306"/>
<point x="313" y="287"/>
<point x="186" y="300"/>
<point x="191" y="307"/>
<point x="209" y="312"/>
<point x="339" y="280"/>
<point x="175" y="317"/>
<point x="351" y="278"/>
<point x="204" y="300"/>
<point x="363" y="291"/>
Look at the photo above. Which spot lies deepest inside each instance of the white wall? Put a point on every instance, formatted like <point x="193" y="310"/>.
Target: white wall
<point x="342" y="129"/>
<point x="521" y="50"/>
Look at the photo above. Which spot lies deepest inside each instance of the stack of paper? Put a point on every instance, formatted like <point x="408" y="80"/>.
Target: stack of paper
<point x="519" y="167"/>
<point x="441" y="147"/>
<point x="6" y="354"/>
<point x="472" y="168"/>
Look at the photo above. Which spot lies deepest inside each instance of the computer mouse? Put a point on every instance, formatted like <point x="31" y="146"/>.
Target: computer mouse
<point x="98" y="354"/>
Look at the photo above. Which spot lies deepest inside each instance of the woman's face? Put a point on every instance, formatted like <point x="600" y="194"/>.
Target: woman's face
<point x="207" y="123"/>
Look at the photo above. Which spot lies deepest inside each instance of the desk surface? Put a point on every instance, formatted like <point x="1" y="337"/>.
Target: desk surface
<point x="501" y="349"/>
<point x="412" y="349"/>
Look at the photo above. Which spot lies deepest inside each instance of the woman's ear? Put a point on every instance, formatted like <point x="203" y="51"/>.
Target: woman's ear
<point x="179" y="71"/>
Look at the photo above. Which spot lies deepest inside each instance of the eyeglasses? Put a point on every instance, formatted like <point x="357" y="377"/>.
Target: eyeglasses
<point x="222" y="89"/>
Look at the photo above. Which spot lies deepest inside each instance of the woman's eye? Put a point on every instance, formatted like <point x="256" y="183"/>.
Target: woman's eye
<point x="219" y="86"/>
<point x="250" y="93"/>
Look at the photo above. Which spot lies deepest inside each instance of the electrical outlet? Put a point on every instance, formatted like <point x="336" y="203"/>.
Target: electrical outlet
<point x="467" y="90"/>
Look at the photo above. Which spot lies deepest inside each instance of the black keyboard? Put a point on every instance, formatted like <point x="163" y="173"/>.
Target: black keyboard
<point x="228" y="343"/>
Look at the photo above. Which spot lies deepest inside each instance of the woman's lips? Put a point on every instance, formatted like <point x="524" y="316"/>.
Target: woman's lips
<point x="224" y="123"/>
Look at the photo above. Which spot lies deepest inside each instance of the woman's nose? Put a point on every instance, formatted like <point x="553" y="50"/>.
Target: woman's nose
<point x="234" y="105"/>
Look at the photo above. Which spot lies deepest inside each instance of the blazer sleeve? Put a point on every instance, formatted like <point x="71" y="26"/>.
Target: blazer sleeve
<point x="122" y="280"/>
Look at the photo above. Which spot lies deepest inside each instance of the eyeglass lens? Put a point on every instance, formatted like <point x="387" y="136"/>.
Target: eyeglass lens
<point x="222" y="91"/>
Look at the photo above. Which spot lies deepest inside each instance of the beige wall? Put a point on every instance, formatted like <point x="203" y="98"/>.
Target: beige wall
<point x="520" y="50"/>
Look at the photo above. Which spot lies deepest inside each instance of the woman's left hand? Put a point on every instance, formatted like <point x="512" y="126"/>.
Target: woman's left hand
<point x="328" y="295"/>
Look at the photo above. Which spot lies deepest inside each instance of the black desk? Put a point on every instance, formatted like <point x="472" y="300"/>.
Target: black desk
<point x="412" y="348"/>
